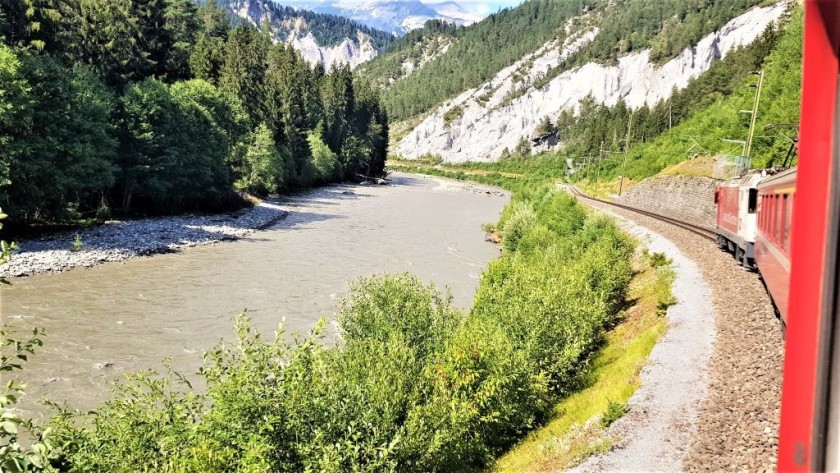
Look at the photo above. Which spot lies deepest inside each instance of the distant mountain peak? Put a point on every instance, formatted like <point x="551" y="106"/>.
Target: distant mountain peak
<point x="395" y="16"/>
<point x="320" y="38"/>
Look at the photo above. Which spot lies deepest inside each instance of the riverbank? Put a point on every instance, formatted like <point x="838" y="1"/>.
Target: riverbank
<point x="102" y="321"/>
<point x="122" y="240"/>
<point x="117" y="241"/>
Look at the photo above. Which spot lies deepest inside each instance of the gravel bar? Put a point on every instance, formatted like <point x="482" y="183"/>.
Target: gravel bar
<point x="738" y="423"/>
<point x="121" y="240"/>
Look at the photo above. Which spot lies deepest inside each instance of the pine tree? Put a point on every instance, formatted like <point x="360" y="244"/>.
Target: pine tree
<point x="244" y="67"/>
<point x="31" y="23"/>
<point x="182" y="24"/>
<point x="265" y="163"/>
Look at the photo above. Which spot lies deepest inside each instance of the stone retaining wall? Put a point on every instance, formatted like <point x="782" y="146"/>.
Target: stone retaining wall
<point x="690" y="199"/>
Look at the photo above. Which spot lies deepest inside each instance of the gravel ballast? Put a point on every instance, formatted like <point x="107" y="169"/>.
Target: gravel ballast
<point x="738" y="420"/>
<point x="121" y="240"/>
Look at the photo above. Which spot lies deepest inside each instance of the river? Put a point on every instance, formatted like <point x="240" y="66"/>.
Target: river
<point x="121" y="317"/>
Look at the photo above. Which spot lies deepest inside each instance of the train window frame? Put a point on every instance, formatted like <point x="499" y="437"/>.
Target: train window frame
<point x="782" y="219"/>
<point x="752" y="201"/>
<point x="788" y="202"/>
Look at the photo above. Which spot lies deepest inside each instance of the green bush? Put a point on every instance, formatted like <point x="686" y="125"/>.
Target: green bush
<point x="481" y="395"/>
<point x="518" y="225"/>
<point x="412" y="384"/>
<point x="384" y="307"/>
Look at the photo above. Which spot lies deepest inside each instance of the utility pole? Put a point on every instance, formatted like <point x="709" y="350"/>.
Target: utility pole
<point x="626" y="150"/>
<point x="670" y="115"/>
<point x="754" y="118"/>
<point x="600" y="158"/>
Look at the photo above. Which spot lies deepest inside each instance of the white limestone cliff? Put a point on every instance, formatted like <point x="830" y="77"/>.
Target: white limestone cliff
<point x="352" y="51"/>
<point x="487" y="120"/>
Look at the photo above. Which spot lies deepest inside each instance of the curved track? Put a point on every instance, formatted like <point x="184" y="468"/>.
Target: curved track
<point x="698" y="230"/>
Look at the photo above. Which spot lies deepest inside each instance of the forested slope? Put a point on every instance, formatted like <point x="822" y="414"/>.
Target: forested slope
<point x="328" y="30"/>
<point x="157" y="106"/>
<point x="481" y="50"/>
<point x="716" y="119"/>
<point x="706" y="119"/>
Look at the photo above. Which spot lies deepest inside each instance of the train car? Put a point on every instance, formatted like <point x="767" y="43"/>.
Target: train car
<point x="773" y="236"/>
<point x="809" y="435"/>
<point x="736" y="216"/>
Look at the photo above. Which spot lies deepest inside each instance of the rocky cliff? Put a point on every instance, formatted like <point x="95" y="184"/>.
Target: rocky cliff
<point x="297" y="29"/>
<point x="481" y="122"/>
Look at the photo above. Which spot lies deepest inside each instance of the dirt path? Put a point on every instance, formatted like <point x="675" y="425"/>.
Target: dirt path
<point x="663" y="413"/>
<point x="738" y="420"/>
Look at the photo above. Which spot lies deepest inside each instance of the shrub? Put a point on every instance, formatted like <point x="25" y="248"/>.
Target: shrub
<point x="413" y="385"/>
<point x="615" y="411"/>
<point x="518" y="225"/>
<point x="483" y="395"/>
<point x="384" y="307"/>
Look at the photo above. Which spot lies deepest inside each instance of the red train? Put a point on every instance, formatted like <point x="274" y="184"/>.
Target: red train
<point x="796" y="247"/>
<point x="754" y="222"/>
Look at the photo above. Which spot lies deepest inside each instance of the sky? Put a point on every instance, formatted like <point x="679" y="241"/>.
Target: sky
<point x="484" y="7"/>
<point x="481" y="7"/>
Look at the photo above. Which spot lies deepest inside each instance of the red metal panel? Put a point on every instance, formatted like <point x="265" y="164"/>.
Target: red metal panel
<point x="728" y="208"/>
<point x="774" y="268"/>
<point x="797" y="449"/>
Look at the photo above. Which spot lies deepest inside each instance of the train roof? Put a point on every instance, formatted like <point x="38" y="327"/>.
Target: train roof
<point x="748" y="179"/>
<point x="787" y="176"/>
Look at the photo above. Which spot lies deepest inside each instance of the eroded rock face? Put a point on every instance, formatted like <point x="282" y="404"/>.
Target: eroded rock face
<point x="350" y="51"/>
<point x="492" y="119"/>
<point x="294" y="32"/>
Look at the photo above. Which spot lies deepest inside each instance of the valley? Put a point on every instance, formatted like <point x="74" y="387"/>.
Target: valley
<point x="340" y="235"/>
<point x="295" y="270"/>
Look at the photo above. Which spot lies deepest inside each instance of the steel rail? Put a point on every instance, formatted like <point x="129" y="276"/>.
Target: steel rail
<point x="697" y="230"/>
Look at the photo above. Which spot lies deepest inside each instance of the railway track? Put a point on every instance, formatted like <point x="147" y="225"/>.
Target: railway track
<point x="697" y="230"/>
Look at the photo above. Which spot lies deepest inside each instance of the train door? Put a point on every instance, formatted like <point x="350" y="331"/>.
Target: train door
<point x="810" y="423"/>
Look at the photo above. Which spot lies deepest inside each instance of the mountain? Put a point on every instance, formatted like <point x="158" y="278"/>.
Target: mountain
<point x="470" y="92"/>
<point x="480" y="123"/>
<point x="321" y="38"/>
<point x="395" y="16"/>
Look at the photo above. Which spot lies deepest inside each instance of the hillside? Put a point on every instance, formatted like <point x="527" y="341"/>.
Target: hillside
<point x="484" y="49"/>
<point x="706" y="132"/>
<point x="479" y="124"/>
<point x="320" y="38"/>
<point x="411" y="52"/>
<point x="705" y="119"/>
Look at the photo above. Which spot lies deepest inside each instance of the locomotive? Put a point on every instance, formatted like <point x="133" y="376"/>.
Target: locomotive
<point x="754" y="222"/>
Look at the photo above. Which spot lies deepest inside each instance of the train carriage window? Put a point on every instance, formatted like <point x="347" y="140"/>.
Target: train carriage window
<point x="762" y="216"/>
<point x="788" y="221"/>
<point x="780" y="219"/>
<point x="752" y="201"/>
